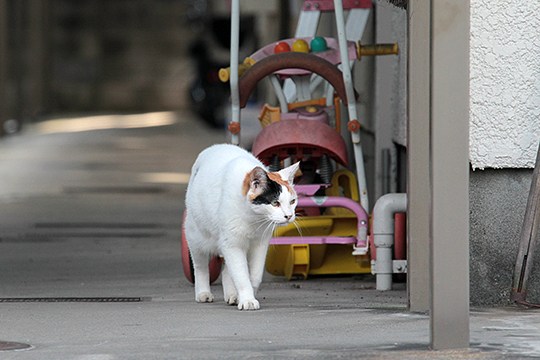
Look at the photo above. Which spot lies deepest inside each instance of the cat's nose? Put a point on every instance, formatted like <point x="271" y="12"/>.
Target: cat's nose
<point x="288" y="217"/>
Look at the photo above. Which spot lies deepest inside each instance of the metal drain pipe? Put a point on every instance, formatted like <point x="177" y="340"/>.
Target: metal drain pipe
<point x="383" y="235"/>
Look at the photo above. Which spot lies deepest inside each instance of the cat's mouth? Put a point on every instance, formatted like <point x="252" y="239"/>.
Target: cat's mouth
<point x="284" y="222"/>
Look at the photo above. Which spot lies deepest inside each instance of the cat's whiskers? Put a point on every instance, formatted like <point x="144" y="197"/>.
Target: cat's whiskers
<point x="298" y="228"/>
<point x="272" y="229"/>
<point x="297" y="223"/>
<point x="264" y="229"/>
<point x="269" y="230"/>
<point x="261" y="221"/>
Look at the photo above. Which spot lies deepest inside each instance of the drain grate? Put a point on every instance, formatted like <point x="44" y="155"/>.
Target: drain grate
<point x="122" y="190"/>
<point x="75" y="299"/>
<point x="59" y="231"/>
<point x="95" y="225"/>
<point x="62" y="237"/>
<point x="95" y="235"/>
<point x="9" y="345"/>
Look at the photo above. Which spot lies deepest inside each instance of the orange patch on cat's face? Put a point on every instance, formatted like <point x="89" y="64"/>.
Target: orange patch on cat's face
<point x="274" y="176"/>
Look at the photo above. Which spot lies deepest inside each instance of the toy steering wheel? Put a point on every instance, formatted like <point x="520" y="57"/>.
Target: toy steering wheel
<point x="290" y="60"/>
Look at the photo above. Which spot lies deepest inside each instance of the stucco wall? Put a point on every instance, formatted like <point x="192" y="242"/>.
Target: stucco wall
<point x="505" y="83"/>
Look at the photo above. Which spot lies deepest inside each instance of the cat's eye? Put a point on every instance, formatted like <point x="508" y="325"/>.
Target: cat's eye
<point x="293" y="201"/>
<point x="275" y="203"/>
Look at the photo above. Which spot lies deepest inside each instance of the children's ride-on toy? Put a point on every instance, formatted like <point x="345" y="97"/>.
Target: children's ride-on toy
<point x="331" y="234"/>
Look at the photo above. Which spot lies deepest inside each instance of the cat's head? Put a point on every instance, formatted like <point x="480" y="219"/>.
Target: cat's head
<point x="272" y="194"/>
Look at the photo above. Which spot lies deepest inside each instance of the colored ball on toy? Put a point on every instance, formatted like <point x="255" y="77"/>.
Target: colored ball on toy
<point x="318" y="44"/>
<point x="300" y="46"/>
<point x="281" y="47"/>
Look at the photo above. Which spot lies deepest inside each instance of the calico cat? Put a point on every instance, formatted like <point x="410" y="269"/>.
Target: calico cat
<point x="232" y="207"/>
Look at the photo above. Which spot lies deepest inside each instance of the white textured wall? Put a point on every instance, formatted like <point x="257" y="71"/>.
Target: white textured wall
<point x="505" y="83"/>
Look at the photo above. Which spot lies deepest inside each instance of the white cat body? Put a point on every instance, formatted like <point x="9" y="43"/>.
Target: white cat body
<point x="232" y="206"/>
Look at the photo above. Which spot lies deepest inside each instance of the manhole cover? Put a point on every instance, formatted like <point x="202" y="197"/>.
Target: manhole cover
<point x="8" y="345"/>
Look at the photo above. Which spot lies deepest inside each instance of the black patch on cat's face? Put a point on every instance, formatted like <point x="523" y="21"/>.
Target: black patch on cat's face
<point x="270" y="193"/>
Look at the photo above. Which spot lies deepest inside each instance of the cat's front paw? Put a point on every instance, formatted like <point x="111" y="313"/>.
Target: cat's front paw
<point x="204" y="296"/>
<point x="231" y="299"/>
<point x="249" y="304"/>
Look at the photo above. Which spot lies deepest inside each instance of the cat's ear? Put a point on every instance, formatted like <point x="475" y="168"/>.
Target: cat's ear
<point x="255" y="182"/>
<point x="289" y="173"/>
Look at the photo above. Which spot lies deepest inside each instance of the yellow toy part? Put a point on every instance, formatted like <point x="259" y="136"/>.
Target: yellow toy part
<point x="302" y="260"/>
<point x="297" y="261"/>
<point x="269" y="114"/>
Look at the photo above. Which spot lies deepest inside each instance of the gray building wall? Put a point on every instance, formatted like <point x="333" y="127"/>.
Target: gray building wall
<point x="96" y="55"/>
<point x="119" y="55"/>
<point x="498" y="199"/>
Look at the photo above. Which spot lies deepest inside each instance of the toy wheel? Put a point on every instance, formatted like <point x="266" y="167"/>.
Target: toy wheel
<point x="214" y="266"/>
<point x="187" y="264"/>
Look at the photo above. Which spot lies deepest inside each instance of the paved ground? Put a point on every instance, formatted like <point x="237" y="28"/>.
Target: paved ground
<point x="97" y="214"/>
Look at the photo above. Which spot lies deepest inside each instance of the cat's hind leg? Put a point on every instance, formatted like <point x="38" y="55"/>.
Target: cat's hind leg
<point x="229" y="290"/>
<point x="200" y="258"/>
<point x="202" y="276"/>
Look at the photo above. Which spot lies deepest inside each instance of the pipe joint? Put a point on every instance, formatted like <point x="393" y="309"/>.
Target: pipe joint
<point x="383" y="236"/>
<point x="384" y="210"/>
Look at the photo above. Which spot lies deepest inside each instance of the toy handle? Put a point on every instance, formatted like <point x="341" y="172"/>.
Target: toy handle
<point x="224" y="74"/>
<point x="290" y="60"/>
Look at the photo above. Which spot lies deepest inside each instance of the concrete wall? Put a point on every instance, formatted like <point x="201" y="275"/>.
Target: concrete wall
<point x="497" y="205"/>
<point x="390" y="100"/>
<point x="120" y="56"/>
<point x="96" y="55"/>
<point x="127" y="55"/>
<point x="399" y="74"/>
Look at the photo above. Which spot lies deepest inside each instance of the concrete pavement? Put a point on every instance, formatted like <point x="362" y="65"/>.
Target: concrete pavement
<point x="96" y="214"/>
